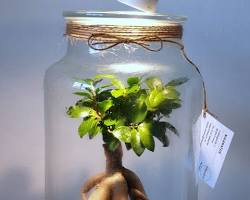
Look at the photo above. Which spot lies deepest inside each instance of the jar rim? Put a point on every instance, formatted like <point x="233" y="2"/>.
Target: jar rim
<point x="93" y="17"/>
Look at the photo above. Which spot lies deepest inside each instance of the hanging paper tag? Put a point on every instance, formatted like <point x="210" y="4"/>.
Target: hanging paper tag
<point x="215" y="140"/>
<point x="144" y="5"/>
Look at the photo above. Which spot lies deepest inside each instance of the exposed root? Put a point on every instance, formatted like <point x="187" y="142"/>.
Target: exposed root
<point x="90" y="183"/>
<point x="136" y="189"/>
<point x="117" y="183"/>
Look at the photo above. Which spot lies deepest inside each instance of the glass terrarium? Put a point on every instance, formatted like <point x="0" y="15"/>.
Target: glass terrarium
<point x="119" y="109"/>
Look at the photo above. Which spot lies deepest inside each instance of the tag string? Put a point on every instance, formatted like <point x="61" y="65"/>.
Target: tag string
<point x="95" y="40"/>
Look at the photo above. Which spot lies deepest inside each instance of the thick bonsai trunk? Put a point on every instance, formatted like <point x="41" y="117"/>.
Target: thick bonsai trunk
<point x="116" y="183"/>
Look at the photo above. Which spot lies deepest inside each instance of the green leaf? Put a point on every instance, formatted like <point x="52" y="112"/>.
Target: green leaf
<point x="128" y="146"/>
<point x="87" y="84"/>
<point x="171" y="128"/>
<point x="110" y="122"/>
<point x="84" y="128"/>
<point x="154" y="83"/>
<point x="167" y="107"/>
<point x="117" y="93"/>
<point x="95" y="130"/>
<point x="104" y="95"/>
<point x="97" y="81"/>
<point x="178" y="81"/>
<point x="138" y="112"/>
<point x="101" y="88"/>
<point x="145" y="130"/>
<point x="120" y="122"/>
<point x="77" y="112"/>
<point x="136" y="143"/>
<point x="104" y="105"/>
<point x="85" y="103"/>
<point x="150" y="99"/>
<point x="89" y="81"/>
<point x="123" y="133"/>
<point x="171" y="93"/>
<point x="117" y="83"/>
<point x="155" y="99"/>
<point x="88" y="126"/>
<point x="133" y="81"/>
<point x="100" y="76"/>
<point x="159" y="131"/>
<point x="133" y="89"/>
<point x="83" y="94"/>
<point x="116" y="122"/>
<point x="174" y="104"/>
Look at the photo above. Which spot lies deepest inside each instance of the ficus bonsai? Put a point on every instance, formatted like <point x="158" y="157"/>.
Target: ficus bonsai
<point x="133" y="114"/>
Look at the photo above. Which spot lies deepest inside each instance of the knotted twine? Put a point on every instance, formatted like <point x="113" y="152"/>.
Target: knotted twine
<point x="104" y="37"/>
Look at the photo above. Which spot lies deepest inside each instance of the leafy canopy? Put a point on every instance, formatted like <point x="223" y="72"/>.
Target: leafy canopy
<point x="131" y="113"/>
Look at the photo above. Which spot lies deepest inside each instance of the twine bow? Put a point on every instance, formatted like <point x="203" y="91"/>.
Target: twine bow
<point x="112" y="40"/>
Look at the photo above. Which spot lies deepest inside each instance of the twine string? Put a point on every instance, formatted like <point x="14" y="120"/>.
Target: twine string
<point x="94" y="42"/>
<point x="84" y="31"/>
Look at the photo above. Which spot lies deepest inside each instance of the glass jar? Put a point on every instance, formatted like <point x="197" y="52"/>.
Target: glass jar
<point x="140" y="135"/>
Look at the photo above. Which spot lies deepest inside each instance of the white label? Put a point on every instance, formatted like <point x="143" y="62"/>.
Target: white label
<point x="144" y="5"/>
<point x="214" y="141"/>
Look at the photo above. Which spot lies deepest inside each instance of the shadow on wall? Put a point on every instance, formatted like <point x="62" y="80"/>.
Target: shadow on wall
<point x="71" y="190"/>
<point x="16" y="184"/>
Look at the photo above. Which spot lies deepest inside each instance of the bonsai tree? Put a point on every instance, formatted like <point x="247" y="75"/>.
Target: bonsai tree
<point x="133" y="114"/>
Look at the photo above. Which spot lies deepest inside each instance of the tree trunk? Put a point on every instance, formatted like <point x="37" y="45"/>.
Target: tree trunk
<point x="116" y="183"/>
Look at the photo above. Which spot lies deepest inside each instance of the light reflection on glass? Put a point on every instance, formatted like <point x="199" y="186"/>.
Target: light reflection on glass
<point x="134" y="67"/>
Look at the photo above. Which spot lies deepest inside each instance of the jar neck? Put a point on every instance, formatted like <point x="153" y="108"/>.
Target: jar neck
<point x="124" y="57"/>
<point x="79" y="48"/>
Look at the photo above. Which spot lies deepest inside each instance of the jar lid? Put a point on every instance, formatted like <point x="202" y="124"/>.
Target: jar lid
<point x="122" y="18"/>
